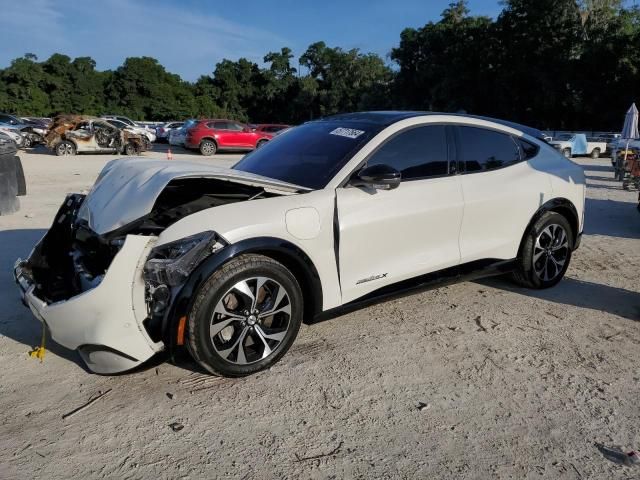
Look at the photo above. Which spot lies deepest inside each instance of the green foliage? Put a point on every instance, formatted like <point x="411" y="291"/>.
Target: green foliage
<point x="548" y="63"/>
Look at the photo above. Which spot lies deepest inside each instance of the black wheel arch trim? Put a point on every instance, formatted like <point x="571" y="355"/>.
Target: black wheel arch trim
<point x="209" y="138"/>
<point x="558" y="205"/>
<point x="287" y="253"/>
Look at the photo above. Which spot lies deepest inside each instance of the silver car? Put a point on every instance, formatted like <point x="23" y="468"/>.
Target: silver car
<point x="162" y="131"/>
<point x="178" y="135"/>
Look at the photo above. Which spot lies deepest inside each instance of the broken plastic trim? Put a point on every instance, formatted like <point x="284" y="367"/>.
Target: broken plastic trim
<point x="171" y="263"/>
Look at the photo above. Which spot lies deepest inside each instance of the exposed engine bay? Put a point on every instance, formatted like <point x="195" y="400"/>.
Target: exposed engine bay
<point x="72" y="258"/>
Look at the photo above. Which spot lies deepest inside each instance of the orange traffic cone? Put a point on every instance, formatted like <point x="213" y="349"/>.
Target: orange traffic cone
<point x="169" y="154"/>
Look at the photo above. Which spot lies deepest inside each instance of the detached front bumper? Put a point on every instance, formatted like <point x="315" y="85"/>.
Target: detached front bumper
<point x="104" y="323"/>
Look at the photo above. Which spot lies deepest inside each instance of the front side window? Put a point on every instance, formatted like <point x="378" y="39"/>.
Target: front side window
<point x="416" y="153"/>
<point x="481" y="150"/>
<point x="235" y="127"/>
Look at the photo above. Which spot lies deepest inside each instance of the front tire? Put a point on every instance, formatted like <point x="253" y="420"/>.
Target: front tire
<point x="208" y="148"/>
<point x="546" y="252"/>
<point x="567" y="152"/>
<point x="261" y="143"/>
<point x="245" y="317"/>
<point x="595" y="153"/>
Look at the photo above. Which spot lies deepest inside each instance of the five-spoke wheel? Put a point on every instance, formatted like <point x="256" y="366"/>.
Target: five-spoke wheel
<point x="546" y="252"/>
<point x="250" y="320"/>
<point x="550" y="252"/>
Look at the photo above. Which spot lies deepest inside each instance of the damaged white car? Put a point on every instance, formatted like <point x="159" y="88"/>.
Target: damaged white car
<point x="332" y="215"/>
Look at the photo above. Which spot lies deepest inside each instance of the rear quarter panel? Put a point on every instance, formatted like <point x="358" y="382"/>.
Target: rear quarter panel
<point x="566" y="177"/>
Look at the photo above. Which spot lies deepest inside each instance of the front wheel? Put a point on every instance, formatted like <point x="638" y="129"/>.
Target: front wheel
<point x="595" y="153"/>
<point x="245" y="317"/>
<point x="546" y="252"/>
<point x="567" y="152"/>
<point x="261" y="143"/>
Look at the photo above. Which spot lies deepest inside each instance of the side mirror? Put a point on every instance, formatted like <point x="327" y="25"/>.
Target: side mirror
<point x="380" y="177"/>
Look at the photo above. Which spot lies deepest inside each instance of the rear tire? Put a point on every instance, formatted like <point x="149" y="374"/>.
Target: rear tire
<point x="595" y="153"/>
<point x="130" y="149"/>
<point x="208" y="147"/>
<point x="546" y="252"/>
<point x="65" y="148"/>
<point x="245" y="317"/>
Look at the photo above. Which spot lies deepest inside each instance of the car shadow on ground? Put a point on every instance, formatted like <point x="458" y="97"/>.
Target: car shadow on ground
<point x="579" y="293"/>
<point x="597" y="168"/>
<point x="16" y="321"/>
<point x="611" y="218"/>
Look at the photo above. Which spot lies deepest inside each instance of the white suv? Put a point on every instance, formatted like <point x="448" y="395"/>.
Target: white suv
<point x="331" y="214"/>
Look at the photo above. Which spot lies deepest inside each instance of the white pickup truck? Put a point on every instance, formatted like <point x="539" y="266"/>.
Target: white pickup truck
<point x="578" y="144"/>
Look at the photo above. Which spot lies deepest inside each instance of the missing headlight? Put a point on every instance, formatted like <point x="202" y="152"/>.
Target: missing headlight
<point x="173" y="262"/>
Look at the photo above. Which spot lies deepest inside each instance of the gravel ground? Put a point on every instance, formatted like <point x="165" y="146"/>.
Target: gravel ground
<point x="477" y="380"/>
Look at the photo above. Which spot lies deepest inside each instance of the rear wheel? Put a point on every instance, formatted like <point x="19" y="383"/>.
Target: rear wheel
<point x="245" y="317"/>
<point x="130" y="149"/>
<point x="546" y="252"/>
<point x="65" y="148"/>
<point x="261" y="143"/>
<point x="208" y="147"/>
<point x="595" y="153"/>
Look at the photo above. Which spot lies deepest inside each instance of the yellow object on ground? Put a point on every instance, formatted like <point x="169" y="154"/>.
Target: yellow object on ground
<point x="38" y="352"/>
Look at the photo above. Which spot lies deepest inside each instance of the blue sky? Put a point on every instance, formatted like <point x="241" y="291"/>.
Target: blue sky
<point x="189" y="37"/>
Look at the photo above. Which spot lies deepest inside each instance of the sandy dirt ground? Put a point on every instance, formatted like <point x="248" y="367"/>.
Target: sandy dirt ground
<point x="477" y="380"/>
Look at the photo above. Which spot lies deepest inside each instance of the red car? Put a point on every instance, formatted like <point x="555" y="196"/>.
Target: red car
<point x="209" y="136"/>
<point x="270" y="128"/>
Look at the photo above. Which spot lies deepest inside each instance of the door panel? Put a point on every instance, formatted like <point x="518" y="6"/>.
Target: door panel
<point x="501" y="193"/>
<point x="498" y="207"/>
<point x="386" y="236"/>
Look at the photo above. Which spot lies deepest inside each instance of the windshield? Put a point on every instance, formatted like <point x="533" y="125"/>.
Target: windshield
<point x="309" y="155"/>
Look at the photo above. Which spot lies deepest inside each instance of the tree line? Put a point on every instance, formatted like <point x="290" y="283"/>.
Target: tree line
<point x="552" y="64"/>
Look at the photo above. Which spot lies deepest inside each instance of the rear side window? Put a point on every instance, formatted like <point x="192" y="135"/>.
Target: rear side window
<point x="529" y="150"/>
<point x="417" y="153"/>
<point x="481" y="150"/>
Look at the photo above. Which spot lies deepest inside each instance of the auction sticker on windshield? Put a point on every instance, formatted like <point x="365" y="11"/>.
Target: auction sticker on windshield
<point x="346" y="132"/>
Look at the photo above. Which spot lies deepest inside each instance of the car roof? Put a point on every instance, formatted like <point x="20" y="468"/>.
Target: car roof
<point x="385" y="118"/>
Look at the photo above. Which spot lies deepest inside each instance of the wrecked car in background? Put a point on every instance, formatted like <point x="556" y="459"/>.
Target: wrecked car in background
<point x="71" y="134"/>
<point x="31" y="131"/>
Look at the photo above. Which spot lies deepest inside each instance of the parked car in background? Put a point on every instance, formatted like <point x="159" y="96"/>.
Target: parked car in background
<point x="578" y="144"/>
<point x="129" y="122"/>
<point x="177" y="136"/>
<point x="71" y="134"/>
<point x="162" y="131"/>
<point x="270" y="128"/>
<point x="32" y="131"/>
<point x="148" y="134"/>
<point x="14" y="134"/>
<point x="210" y="136"/>
<point x="335" y="213"/>
<point x="44" y="120"/>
